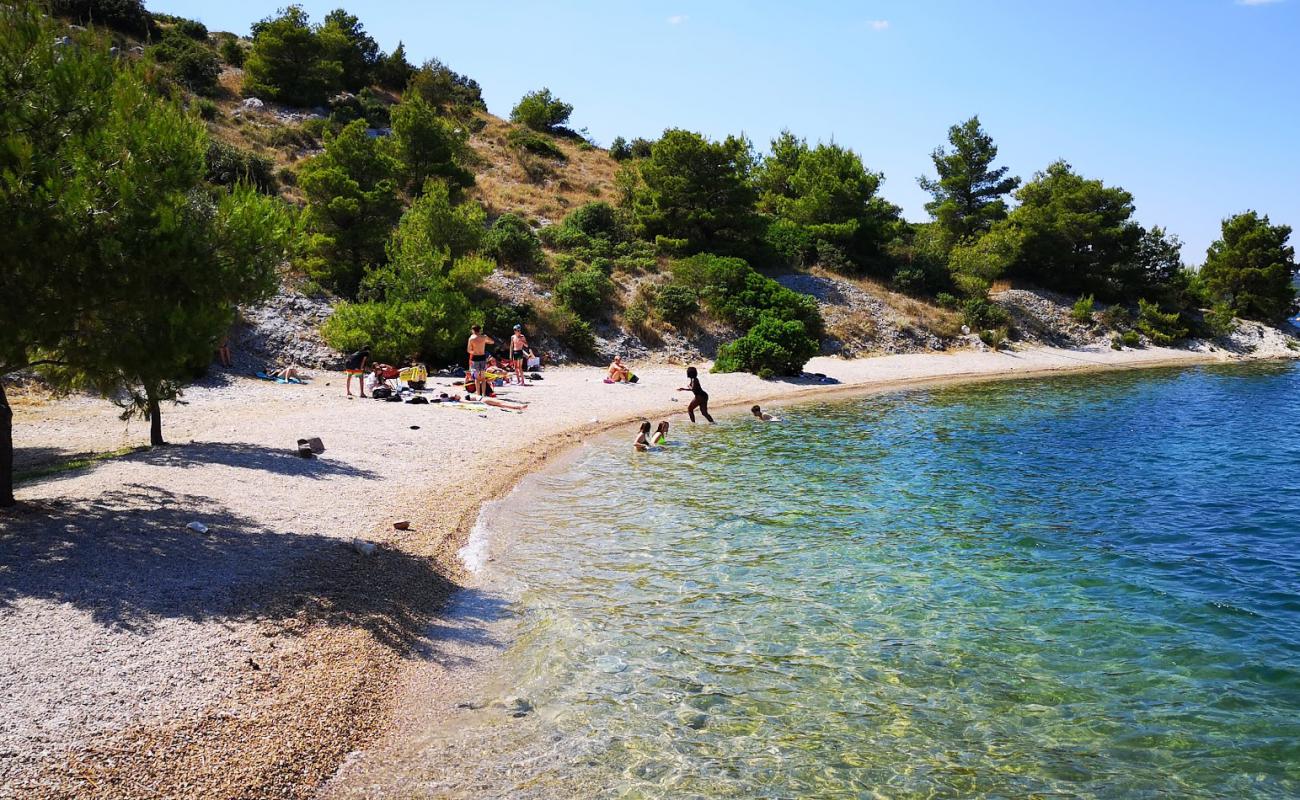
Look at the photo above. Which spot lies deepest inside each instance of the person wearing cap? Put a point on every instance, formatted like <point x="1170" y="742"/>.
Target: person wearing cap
<point x="518" y="352"/>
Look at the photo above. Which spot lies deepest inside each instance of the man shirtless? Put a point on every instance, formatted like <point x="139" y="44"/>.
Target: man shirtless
<point x="518" y="352"/>
<point x="477" y="348"/>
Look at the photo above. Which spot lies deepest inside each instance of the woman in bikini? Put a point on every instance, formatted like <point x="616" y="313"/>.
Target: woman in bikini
<point x="642" y="441"/>
<point x="701" y="398"/>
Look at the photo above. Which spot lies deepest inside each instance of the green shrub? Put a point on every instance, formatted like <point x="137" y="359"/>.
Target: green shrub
<point x="532" y="142"/>
<point x="206" y="108"/>
<point x="192" y="28"/>
<point x="292" y="136"/>
<point x="945" y="300"/>
<point x="772" y="347"/>
<point x="636" y="317"/>
<point x="564" y="237"/>
<point x="288" y="61"/>
<point x="1130" y="338"/>
<point x="598" y="219"/>
<point x="980" y="314"/>
<point x="435" y="82"/>
<point x="667" y="246"/>
<point x="1219" y="319"/>
<point x="287" y="176"/>
<point x="227" y="165"/>
<point x="995" y="338"/>
<point x="541" y="111"/>
<point x="127" y="16"/>
<point x="1081" y="311"/>
<point x="1115" y="316"/>
<point x="189" y="63"/>
<point x="512" y="242"/>
<point x="584" y="292"/>
<point x="735" y="292"/>
<point x="619" y="149"/>
<point x="675" y="304"/>
<point x="574" y="333"/>
<point x="499" y="319"/>
<point x="1162" y="328"/>
<point x="232" y="52"/>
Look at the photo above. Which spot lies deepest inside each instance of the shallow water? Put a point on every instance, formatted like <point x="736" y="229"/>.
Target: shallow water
<point x="1080" y="587"/>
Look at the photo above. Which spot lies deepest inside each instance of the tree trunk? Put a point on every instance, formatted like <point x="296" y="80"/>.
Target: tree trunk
<point x="6" y="451"/>
<point x="155" y="415"/>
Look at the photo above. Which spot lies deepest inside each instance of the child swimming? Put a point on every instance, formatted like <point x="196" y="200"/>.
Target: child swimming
<point x="763" y="415"/>
<point x="642" y="441"/>
<point x="701" y="399"/>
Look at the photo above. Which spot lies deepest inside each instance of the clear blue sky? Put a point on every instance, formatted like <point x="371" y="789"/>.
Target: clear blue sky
<point x="1191" y="105"/>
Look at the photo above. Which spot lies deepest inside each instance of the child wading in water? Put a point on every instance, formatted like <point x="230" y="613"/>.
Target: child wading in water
<point x="701" y="399"/>
<point x="763" y="415"/>
<point x="642" y="441"/>
<point x="661" y="434"/>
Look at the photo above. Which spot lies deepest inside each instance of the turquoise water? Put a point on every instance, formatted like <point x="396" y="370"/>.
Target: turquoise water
<point x="1078" y="587"/>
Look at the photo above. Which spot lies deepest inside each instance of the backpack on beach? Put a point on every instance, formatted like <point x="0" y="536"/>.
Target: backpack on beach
<point x="381" y="393"/>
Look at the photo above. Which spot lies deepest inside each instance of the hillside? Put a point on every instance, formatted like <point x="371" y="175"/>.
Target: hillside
<point x="544" y="175"/>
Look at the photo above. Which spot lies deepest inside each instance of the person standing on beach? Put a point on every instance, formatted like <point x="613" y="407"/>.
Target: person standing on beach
<point x="518" y="348"/>
<point x="356" y="365"/>
<point x="701" y="398"/>
<point x="477" y="348"/>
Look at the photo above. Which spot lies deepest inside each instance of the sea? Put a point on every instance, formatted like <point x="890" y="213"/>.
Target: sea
<point x="1083" y="586"/>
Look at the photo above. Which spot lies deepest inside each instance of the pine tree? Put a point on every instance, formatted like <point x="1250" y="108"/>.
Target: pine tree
<point x="968" y="195"/>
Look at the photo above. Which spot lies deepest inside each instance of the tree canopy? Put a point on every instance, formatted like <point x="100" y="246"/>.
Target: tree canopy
<point x="698" y="190"/>
<point x="969" y="192"/>
<point x="541" y="111"/>
<point x="1251" y="266"/>
<point x="288" y="60"/>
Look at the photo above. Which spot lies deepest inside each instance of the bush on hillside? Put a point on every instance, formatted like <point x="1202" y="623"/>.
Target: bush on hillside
<point x="127" y="16"/>
<point x="541" y="111"/>
<point x="428" y="146"/>
<point x="1219" y="319"/>
<point x="530" y="141"/>
<point x="1081" y="311"/>
<point x="512" y="242"/>
<point x="981" y="315"/>
<point x="232" y="52"/>
<point x="675" y="304"/>
<point x="443" y="87"/>
<point x="772" y="347"/>
<point x="227" y="165"/>
<point x="191" y="28"/>
<point x="189" y="63"/>
<point x="584" y="291"/>
<point x="619" y="149"/>
<point x="735" y="292"/>
<point x="598" y="219"/>
<point x="1162" y="328"/>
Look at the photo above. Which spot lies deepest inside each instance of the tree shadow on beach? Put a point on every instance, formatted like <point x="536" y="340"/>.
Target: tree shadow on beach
<point x="128" y="559"/>
<point x="284" y="461"/>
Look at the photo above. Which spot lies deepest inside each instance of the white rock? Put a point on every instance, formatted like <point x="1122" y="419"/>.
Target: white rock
<point x="198" y="527"/>
<point x="363" y="547"/>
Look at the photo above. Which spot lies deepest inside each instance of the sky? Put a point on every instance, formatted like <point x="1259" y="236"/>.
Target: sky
<point x="1191" y="105"/>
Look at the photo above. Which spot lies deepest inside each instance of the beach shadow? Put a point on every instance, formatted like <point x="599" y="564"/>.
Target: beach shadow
<point x="128" y="559"/>
<point x="29" y="458"/>
<point x="251" y="456"/>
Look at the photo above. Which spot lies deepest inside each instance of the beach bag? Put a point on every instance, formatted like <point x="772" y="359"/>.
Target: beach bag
<point x="632" y="379"/>
<point x="354" y="360"/>
<point x="418" y="401"/>
<point x="382" y="393"/>
<point x="534" y="362"/>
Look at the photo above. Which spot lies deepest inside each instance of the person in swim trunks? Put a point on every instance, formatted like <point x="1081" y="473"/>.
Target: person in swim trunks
<point x="518" y="349"/>
<point x="701" y="399"/>
<point x="356" y="365"/>
<point x="477" y="348"/>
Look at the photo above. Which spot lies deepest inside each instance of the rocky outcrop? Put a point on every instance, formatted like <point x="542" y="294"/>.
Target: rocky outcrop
<point x="285" y="330"/>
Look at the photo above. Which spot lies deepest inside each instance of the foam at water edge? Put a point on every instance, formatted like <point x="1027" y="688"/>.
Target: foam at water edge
<point x="474" y="555"/>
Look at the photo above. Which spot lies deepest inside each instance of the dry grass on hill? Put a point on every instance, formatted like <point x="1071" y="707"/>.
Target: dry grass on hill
<point x="503" y="185"/>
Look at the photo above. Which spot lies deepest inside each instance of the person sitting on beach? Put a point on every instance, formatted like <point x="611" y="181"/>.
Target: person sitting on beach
<point x="618" y="372"/>
<point x="642" y="441"/>
<point x="381" y="374"/>
<point x="356" y="366"/>
<point x="763" y="415"/>
<point x="701" y="398"/>
<point x="661" y="434"/>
